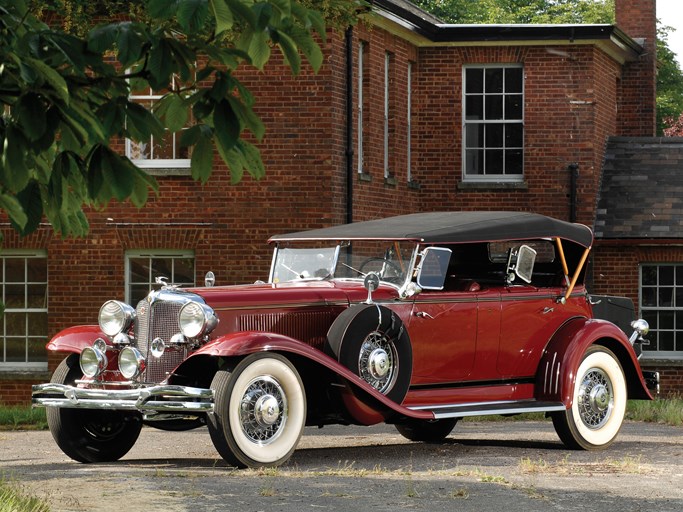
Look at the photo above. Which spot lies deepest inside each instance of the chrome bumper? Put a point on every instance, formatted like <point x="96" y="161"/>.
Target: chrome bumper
<point x="164" y="398"/>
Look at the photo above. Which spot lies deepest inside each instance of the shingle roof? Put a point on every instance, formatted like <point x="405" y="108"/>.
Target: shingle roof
<point x="641" y="195"/>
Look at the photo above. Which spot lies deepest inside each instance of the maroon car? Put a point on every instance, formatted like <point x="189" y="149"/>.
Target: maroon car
<point x="416" y="320"/>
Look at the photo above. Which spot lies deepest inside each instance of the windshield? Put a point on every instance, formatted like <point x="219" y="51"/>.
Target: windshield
<point x="350" y="260"/>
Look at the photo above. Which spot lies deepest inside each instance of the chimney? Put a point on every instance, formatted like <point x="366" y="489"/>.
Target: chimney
<point x="637" y="107"/>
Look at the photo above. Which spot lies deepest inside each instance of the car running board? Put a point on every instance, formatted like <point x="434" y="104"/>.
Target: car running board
<point x="490" y="408"/>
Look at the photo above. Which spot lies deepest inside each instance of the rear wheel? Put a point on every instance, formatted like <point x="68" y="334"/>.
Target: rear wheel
<point x="599" y="402"/>
<point x="259" y="411"/>
<point x="88" y="435"/>
<point x="427" y="431"/>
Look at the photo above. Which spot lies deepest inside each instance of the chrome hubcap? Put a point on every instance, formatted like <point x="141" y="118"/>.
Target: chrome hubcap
<point x="595" y="399"/>
<point x="378" y="362"/>
<point x="263" y="410"/>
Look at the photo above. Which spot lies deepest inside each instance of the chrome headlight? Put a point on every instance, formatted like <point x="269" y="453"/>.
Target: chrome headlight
<point x="115" y="317"/>
<point x="93" y="361"/>
<point x="196" y="319"/>
<point x="131" y="362"/>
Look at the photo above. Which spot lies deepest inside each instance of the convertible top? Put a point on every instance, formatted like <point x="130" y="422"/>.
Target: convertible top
<point x="452" y="227"/>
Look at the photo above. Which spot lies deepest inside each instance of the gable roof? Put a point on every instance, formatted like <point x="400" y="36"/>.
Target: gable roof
<point x="641" y="194"/>
<point x="451" y="227"/>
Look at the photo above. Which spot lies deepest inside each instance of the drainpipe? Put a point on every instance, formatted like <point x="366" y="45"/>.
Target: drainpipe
<point x="349" y="125"/>
<point x="573" y="179"/>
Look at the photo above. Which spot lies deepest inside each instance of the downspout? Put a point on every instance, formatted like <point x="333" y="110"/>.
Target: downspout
<point x="349" y="125"/>
<point x="573" y="179"/>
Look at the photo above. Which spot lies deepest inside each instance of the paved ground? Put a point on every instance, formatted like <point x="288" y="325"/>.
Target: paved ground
<point x="511" y="466"/>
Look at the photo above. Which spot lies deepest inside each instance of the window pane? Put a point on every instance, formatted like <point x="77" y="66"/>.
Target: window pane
<point x="649" y="296"/>
<point x="513" y="80"/>
<point x="514" y="162"/>
<point x="15" y="324"/>
<point x="37" y="296"/>
<point x="513" y="135"/>
<point x="513" y="107"/>
<point x="494" y="80"/>
<point x="651" y="318"/>
<point x="649" y="275"/>
<point x="474" y="108"/>
<point x="494" y="107"/>
<point x="138" y="292"/>
<point x="474" y="161"/>
<point x="14" y="270"/>
<point x="37" y="324"/>
<point x="37" y="353"/>
<point x="474" y="137"/>
<point x="494" y="162"/>
<point x="37" y="270"/>
<point x="139" y="270"/>
<point x="666" y="320"/>
<point x="184" y="271"/>
<point x="494" y="136"/>
<point x="161" y="267"/>
<point x="666" y="340"/>
<point x="15" y="350"/>
<point x="666" y="297"/>
<point x="666" y="275"/>
<point x="15" y="296"/>
<point x="474" y="80"/>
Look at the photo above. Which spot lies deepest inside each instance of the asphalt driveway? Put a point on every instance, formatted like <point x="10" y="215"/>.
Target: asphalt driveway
<point x="511" y="466"/>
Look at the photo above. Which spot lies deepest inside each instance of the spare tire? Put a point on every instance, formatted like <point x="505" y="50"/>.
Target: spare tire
<point x="372" y="342"/>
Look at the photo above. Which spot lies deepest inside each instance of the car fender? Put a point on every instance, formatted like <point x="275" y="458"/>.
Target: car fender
<point x="363" y="402"/>
<point x="556" y="375"/>
<point x="75" y="339"/>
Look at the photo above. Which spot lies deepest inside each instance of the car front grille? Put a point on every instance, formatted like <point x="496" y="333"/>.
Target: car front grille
<point x="158" y="319"/>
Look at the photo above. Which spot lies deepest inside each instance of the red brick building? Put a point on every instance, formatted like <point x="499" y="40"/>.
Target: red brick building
<point x="407" y="114"/>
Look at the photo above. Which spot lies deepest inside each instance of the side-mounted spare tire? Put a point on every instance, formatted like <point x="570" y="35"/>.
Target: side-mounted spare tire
<point x="371" y="341"/>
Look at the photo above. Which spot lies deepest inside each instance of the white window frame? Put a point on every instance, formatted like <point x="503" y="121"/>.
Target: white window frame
<point x="159" y="254"/>
<point x="156" y="163"/>
<point x="387" y="99"/>
<point x="26" y="365"/>
<point x="409" y="121"/>
<point x="655" y="328"/>
<point x="496" y="178"/>
<point x="361" y="52"/>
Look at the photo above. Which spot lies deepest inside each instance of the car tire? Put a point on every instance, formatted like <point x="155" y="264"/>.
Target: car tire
<point x="599" y="403"/>
<point x="372" y="342"/>
<point x="259" y="411"/>
<point x="427" y="431"/>
<point x="88" y="435"/>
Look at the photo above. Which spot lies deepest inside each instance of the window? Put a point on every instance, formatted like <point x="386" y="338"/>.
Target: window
<point x="363" y="75"/>
<point x="143" y="267"/>
<point x="661" y="304"/>
<point x="23" y="326"/>
<point x="409" y="120"/>
<point x="155" y="153"/>
<point x="493" y="123"/>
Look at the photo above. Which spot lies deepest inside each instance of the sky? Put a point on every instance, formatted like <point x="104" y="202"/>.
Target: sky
<point x="670" y="12"/>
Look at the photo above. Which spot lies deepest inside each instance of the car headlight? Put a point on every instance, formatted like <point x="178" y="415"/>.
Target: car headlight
<point x="196" y="319"/>
<point x="93" y="361"/>
<point x="115" y="317"/>
<point x="131" y="362"/>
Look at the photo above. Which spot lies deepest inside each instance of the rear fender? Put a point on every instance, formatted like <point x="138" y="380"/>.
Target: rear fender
<point x="365" y="404"/>
<point x="75" y="339"/>
<point x="562" y="356"/>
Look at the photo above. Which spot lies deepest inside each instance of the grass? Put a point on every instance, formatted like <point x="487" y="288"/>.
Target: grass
<point x="667" y="411"/>
<point x="14" y="499"/>
<point x="22" y="418"/>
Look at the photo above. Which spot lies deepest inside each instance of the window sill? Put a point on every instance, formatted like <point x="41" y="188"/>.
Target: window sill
<point x="660" y="361"/>
<point x="29" y="374"/>
<point x="167" y="171"/>
<point x="390" y="181"/>
<point x="493" y="185"/>
<point x="414" y="185"/>
<point x="364" y="176"/>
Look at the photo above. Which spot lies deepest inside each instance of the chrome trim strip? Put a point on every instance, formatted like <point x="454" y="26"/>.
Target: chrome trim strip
<point x="172" y="398"/>
<point x="490" y="408"/>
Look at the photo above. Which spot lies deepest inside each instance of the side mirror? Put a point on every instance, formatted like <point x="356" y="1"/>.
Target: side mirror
<point x="521" y="264"/>
<point x="371" y="283"/>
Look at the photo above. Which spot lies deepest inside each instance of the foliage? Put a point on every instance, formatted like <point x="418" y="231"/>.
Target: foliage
<point x="14" y="499"/>
<point x="64" y="96"/>
<point x="22" y="418"/>
<point x="520" y="11"/>
<point x="669" y="88"/>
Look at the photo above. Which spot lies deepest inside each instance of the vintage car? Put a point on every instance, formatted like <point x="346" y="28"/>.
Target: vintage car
<point x="416" y="320"/>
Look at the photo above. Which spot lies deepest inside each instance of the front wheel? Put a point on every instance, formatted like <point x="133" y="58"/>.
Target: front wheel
<point x="259" y="411"/>
<point x="90" y="435"/>
<point x="599" y="402"/>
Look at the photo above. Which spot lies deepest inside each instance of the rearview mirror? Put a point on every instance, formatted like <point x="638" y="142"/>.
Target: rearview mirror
<point x="521" y="264"/>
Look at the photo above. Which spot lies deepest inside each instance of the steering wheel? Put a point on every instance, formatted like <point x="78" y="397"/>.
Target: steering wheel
<point x="386" y="263"/>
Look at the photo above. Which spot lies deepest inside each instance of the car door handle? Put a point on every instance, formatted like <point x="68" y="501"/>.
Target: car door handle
<point x="423" y="314"/>
<point x="547" y="310"/>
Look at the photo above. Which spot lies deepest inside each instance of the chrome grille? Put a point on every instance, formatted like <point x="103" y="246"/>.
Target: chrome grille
<point x="158" y="320"/>
<point x="309" y="326"/>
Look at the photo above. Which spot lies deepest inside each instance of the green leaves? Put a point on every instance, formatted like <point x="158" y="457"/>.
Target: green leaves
<point x="66" y="106"/>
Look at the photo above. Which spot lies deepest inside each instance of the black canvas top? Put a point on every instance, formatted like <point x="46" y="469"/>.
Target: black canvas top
<point x="453" y="227"/>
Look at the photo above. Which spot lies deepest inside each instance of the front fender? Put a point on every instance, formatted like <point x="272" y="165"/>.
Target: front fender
<point x="562" y="356"/>
<point x="75" y="339"/>
<point x="238" y="345"/>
